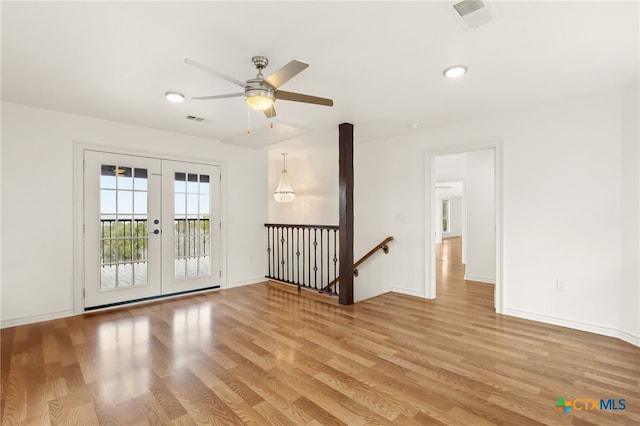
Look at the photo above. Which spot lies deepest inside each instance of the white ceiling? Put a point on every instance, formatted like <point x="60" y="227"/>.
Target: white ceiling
<point x="381" y="62"/>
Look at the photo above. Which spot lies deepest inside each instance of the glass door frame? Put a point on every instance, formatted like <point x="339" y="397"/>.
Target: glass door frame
<point x="77" y="237"/>
<point x="171" y="283"/>
<point x="97" y="292"/>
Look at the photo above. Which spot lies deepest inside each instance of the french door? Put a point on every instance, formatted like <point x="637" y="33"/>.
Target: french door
<point x="151" y="227"/>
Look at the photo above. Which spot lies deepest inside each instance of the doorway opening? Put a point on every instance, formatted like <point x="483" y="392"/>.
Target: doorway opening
<point x="465" y="219"/>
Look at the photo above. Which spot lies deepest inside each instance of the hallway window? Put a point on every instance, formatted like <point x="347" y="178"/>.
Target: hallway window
<point x="446" y="219"/>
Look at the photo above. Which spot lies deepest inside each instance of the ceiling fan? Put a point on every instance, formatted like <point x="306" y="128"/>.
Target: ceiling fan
<point x="260" y="93"/>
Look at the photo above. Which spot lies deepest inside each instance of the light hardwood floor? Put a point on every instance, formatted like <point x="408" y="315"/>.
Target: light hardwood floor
<point x="264" y="354"/>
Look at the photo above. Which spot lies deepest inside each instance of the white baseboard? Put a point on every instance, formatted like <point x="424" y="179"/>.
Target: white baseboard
<point x="36" y="318"/>
<point x="68" y="313"/>
<point x="479" y="279"/>
<point x="250" y="281"/>
<point x="629" y="338"/>
<point x="408" y="291"/>
<point x="577" y="325"/>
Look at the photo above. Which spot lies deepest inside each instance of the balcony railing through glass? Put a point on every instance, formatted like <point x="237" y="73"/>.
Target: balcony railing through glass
<point x="124" y="250"/>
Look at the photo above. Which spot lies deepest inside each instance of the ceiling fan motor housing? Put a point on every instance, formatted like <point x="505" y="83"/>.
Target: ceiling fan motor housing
<point x="258" y="87"/>
<point x="260" y="62"/>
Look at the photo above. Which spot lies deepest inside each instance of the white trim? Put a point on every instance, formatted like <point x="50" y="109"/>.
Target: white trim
<point x="430" y="233"/>
<point x="36" y="318"/>
<point x="479" y="279"/>
<point x="250" y="281"/>
<point x="430" y="237"/>
<point x="629" y="338"/>
<point x="577" y="325"/>
<point x="408" y="291"/>
<point x="78" y="228"/>
<point x="78" y="208"/>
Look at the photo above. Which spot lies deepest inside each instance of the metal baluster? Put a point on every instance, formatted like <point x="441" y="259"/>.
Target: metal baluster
<point x="321" y="253"/>
<point x="309" y="254"/>
<point x="268" y="254"/>
<point x="298" y="255"/>
<point x="110" y="243"/>
<point x="288" y="254"/>
<point x="315" y="258"/>
<point x="281" y="245"/>
<point x="277" y="244"/>
<point x="275" y="252"/>
<point x="328" y="256"/>
<point x="285" y="246"/>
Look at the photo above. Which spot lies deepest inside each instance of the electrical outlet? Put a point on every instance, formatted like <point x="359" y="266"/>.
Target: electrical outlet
<point x="561" y="285"/>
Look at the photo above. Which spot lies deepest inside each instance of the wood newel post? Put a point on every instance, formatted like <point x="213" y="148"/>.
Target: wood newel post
<point x="346" y="212"/>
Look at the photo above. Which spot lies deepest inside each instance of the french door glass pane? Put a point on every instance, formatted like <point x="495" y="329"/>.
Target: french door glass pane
<point x="192" y="245"/>
<point x="123" y="226"/>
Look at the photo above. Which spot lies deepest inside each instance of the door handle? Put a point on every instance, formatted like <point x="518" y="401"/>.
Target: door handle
<point x="156" y="231"/>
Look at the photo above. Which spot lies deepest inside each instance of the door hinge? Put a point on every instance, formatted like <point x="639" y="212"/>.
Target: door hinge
<point x="220" y="225"/>
<point x="84" y="292"/>
<point x="220" y="175"/>
<point x="220" y="273"/>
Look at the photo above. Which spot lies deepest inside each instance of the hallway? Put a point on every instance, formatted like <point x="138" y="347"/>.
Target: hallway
<point x="451" y="287"/>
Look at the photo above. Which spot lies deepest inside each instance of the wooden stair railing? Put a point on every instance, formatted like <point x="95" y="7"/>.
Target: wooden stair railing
<point x="384" y="246"/>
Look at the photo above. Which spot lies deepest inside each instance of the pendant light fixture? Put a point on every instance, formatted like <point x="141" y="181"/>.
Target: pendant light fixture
<point x="284" y="193"/>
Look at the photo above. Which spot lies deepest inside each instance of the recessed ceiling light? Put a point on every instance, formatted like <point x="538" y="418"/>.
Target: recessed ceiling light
<point x="455" y="71"/>
<point x="414" y="125"/>
<point x="174" y="96"/>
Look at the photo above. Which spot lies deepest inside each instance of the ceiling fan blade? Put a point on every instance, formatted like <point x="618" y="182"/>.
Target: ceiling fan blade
<point x="229" y="95"/>
<point x="271" y="112"/>
<point x="214" y="72"/>
<point x="299" y="97"/>
<point x="286" y="73"/>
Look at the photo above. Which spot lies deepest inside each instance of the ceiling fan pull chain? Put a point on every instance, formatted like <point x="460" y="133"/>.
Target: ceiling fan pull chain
<point x="248" y="119"/>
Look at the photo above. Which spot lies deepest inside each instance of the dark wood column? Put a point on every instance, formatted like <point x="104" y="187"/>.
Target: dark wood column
<point x="346" y="212"/>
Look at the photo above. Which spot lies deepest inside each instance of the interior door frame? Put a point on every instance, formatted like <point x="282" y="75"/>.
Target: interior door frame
<point x="430" y="215"/>
<point x="79" y="148"/>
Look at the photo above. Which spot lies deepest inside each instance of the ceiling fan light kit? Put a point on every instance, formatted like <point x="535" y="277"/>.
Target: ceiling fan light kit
<point x="259" y="99"/>
<point x="260" y="93"/>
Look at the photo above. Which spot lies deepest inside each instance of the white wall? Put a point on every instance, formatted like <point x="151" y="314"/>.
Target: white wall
<point x="481" y="217"/>
<point x="312" y="169"/>
<point x="450" y="168"/>
<point x="38" y="206"/>
<point x="561" y="188"/>
<point x="630" y="218"/>
<point x="562" y="185"/>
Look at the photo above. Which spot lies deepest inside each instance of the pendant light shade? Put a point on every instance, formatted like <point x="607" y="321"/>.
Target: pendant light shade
<point x="284" y="193"/>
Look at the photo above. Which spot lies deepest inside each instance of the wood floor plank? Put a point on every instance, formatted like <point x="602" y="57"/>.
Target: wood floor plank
<point x="270" y="354"/>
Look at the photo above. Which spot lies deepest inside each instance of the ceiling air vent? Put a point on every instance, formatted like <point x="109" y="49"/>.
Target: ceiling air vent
<point x="472" y="13"/>
<point x="194" y="118"/>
